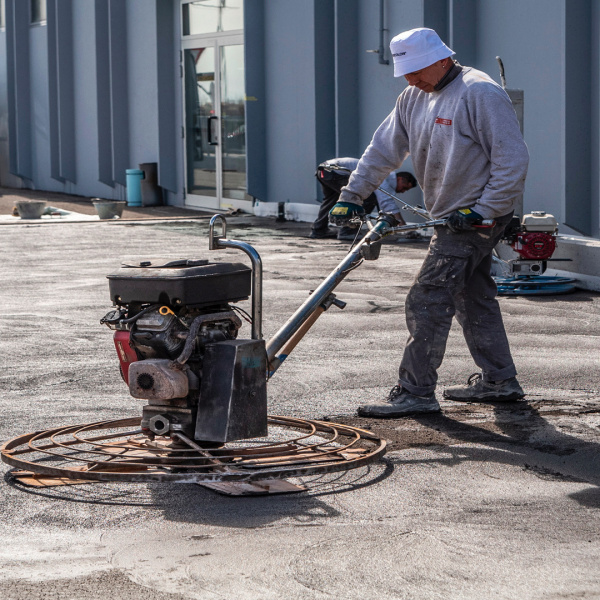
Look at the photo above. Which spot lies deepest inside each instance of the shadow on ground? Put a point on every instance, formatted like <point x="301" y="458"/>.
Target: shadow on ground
<point x="514" y="432"/>
<point x="192" y="503"/>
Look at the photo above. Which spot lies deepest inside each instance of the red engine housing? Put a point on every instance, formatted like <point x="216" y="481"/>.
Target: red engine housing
<point x="126" y="353"/>
<point x="534" y="245"/>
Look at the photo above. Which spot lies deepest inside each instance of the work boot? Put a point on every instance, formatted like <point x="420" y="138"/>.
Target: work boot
<point x="400" y="403"/>
<point x="478" y="390"/>
<point x="347" y="234"/>
<point x="322" y="234"/>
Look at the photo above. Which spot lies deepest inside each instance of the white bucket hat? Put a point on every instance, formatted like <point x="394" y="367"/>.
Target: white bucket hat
<point x="416" y="49"/>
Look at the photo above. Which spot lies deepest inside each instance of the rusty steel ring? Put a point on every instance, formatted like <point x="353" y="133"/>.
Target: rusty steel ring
<point x="118" y="451"/>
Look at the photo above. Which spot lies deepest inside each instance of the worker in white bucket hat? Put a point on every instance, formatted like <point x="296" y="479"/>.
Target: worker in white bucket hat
<point x="416" y="49"/>
<point x="470" y="159"/>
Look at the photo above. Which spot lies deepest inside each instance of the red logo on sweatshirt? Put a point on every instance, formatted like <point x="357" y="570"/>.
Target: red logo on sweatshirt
<point x="441" y="121"/>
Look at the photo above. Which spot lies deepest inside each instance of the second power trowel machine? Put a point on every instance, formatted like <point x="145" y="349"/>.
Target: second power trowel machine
<point x="176" y="334"/>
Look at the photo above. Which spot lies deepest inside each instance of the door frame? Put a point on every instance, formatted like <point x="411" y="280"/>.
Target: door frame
<point x="216" y="41"/>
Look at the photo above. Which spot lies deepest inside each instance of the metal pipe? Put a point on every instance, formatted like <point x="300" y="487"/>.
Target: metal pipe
<point x="327" y="286"/>
<point x="381" y="51"/>
<point x="414" y="209"/>
<point x="304" y="317"/>
<point x="215" y="242"/>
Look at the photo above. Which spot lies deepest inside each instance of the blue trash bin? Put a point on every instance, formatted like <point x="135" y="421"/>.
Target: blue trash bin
<point x="134" y="187"/>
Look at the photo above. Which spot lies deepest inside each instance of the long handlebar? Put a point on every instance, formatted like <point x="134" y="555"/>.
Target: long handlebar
<point x="351" y="260"/>
<point x="406" y="206"/>
<point x="282" y="343"/>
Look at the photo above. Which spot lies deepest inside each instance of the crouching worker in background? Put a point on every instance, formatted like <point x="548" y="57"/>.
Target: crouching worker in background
<point x="333" y="180"/>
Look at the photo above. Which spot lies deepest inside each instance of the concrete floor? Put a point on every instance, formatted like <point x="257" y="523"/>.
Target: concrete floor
<point x="483" y="501"/>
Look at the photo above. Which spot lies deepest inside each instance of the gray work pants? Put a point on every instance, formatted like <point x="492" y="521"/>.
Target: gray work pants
<point x="455" y="280"/>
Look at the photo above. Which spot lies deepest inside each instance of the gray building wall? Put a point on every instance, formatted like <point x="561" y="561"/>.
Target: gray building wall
<point x="114" y="106"/>
<point x="314" y="92"/>
<point x="550" y="49"/>
<point x="86" y="112"/>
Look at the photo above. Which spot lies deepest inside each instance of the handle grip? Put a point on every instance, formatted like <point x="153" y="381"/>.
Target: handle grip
<point x="210" y="122"/>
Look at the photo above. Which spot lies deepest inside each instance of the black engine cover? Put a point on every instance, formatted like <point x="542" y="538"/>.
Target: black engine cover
<point x="180" y="282"/>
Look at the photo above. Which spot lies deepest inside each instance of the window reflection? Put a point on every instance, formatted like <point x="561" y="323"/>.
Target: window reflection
<point x="212" y="16"/>
<point x="200" y="111"/>
<point x="233" y="122"/>
<point x="38" y="11"/>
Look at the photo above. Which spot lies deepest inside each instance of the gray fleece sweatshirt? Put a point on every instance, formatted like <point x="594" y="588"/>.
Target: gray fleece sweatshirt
<point x="466" y="147"/>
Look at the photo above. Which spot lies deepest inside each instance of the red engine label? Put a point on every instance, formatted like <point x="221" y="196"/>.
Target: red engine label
<point x="535" y="245"/>
<point x="125" y="352"/>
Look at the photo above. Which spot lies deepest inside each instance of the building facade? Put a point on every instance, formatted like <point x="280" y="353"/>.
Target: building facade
<point x="237" y="101"/>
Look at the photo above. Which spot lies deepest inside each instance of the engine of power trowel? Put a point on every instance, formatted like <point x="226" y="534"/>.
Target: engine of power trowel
<point x="176" y="336"/>
<point x="534" y="239"/>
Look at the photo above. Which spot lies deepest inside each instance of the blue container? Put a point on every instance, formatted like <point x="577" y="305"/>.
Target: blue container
<point x="134" y="187"/>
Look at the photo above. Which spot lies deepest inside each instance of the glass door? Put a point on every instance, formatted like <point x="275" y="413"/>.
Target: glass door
<point x="215" y="127"/>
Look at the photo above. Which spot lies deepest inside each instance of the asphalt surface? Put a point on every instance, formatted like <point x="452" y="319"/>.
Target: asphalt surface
<point x="482" y="501"/>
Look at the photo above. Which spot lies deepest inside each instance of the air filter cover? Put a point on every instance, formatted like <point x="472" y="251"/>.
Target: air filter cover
<point x="180" y="282"/>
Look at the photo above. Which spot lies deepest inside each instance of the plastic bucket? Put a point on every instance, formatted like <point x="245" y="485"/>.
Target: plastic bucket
<point x="134" y="186"/>
<point x="30" y="209"/>
<point x="109" y="209"/>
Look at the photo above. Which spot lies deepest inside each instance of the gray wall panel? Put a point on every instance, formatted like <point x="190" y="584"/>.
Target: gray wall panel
<point x="435" y="16"/>
<point x="346" y="69"/>
<point x="40" y="116"/>
<point x="6" y="178"/>
<point x="86" y="104"/>
<point x="144" y="87"/>
<point x="18" y="86"/>
<point x="103" y="94"/>
<point x="462" y="30"/>
<point x="578" y="178"/>
<point x="119" y="89"/>
<point x="61" y="94"/>
<point x="377" y="88"/>
<point x="167" y="106"/>
<point x="290" y="93"/>
<point x="324" y="76"/>
<point x="53" y="90"/>
<point x="254" y="69"/>
<point x="595" y="118"/>
<point x="112" y="87"/>
<point x="66" y="93"/>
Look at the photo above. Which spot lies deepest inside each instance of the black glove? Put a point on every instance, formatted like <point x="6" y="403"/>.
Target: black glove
<point x="343" y="212"/>
<point x="463" y="219"/>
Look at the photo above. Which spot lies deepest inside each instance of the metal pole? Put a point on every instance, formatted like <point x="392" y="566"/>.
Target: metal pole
<point x="215" y="242"/>
<point x="381" y="52"/>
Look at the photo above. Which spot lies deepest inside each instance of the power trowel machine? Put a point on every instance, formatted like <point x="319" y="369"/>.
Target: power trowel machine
<point x="522" y="257"/>
<point x="204" y="387"/>
<point x="176" y="332"/>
